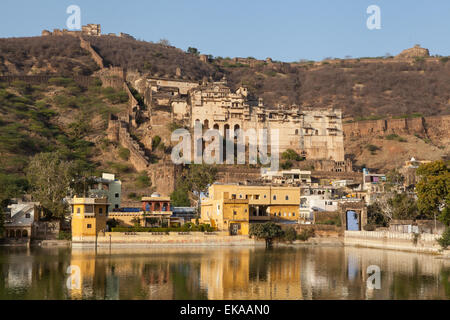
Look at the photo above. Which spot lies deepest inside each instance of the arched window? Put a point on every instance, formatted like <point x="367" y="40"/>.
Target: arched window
<point x="206" y="124"/>
<point x="24" y="234"/>
<point x="18" y="233"/>
<point x="296" y="131"/>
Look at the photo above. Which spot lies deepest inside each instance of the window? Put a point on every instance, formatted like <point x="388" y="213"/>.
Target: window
<point x="27" y="215"/>
<point x="116" y="195"/>
<point x="289" y="214"/>
<point x="265" y="196"/>
<point x="274" y="197"/>
<point x="256" y="196"/>
<point x="287" y="197"/>
<point x="116" y="206"/>
<point x="293" y="214"/>
<point x="233" y="196"/>
<point x="234" y="212"/>
<point x="100" y="211"/>
<point x="285" y="214"/>
<point x="78" y="210"/>
<point x="89" y="226"/>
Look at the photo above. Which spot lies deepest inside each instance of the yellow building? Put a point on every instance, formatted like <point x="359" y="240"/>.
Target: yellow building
<point x="230" y="204"/>
<point x="227" y="214"/>
<point x="89" y="217"/>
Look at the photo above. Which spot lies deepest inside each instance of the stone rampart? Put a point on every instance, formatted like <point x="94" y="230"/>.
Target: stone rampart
<point x="95" y="56"/>
<point x="434" y="125"/>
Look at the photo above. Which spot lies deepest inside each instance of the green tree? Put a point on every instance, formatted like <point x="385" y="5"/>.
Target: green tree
<point x="444" y="240"/>
<point x="375" y="215"/>
<point x="290" y="234"/>
<point x="155" y="142"/>
<point x="403" y="206"/>
<point x="268" y="231"/>
<point x="180" y="196"/>
<point x="198" y="179"/>
<point x="51" y="179"/>
<point x="194" y="51"/>
<point x="290" y="154"/>
<point x="433" y="190"/>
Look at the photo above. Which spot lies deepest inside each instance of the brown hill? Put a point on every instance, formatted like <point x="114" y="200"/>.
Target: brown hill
<point x="363" y="88"/>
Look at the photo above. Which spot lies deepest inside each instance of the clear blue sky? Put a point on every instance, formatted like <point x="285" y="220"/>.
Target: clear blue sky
<point x="286" y="30"/>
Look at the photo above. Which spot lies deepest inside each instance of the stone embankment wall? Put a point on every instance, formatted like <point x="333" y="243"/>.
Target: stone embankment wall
<point x="432" y="126"/>
<point x="173" y="238"/>
<point x="392" y="240"/>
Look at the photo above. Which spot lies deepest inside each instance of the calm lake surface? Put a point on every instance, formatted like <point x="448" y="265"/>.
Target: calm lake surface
<point x="219" y="273"/>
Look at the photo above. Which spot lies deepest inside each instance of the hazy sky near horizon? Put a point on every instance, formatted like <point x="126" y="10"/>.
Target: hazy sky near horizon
<point x="286" y="30"/>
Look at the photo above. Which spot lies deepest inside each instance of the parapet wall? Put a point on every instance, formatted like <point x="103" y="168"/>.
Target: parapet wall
<point x="137" y="155"/>
<point x="173" y="238"/>
<point x="118" y="132"/>
<point x="392" y="240"/>
<point x="97" y="58"/>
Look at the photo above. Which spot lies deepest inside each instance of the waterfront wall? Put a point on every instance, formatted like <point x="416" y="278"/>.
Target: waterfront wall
<point x="173" y="238"/>
<point x="392" y="240"/>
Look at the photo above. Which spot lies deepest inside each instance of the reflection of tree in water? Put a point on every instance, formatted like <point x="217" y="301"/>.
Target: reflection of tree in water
<point x="444" y="276"/>
<point x="413" y="285"/>
<point x="184" y="277"/>
<point x="48" y="273"/>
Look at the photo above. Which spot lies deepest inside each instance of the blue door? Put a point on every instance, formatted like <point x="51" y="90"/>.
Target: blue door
<point x="352" y="221"/>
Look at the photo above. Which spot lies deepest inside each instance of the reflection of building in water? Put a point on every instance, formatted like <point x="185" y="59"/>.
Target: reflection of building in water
<point x="19" y="274"/>
<point x="254" y="273"/>
<point x="82" y="281"/>
<point x="112" y="286"/>
<point x="246" y="274"/>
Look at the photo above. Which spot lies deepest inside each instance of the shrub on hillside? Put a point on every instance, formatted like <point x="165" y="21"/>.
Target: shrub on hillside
<point x="124" y="153"/>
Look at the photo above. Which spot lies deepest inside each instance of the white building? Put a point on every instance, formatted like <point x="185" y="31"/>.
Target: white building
<point x="110" y="187"/>
<point x="293" y="176"/>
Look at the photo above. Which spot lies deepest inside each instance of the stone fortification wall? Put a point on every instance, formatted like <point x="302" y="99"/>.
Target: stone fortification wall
<point x="118" y="132"/>
<point x="433" y="126"/>
<point x="87" y="46"/>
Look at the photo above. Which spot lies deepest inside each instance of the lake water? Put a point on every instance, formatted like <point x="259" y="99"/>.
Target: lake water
<point x="221" y="273"/>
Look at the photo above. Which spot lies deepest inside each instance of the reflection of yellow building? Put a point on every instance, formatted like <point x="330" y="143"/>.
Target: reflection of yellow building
<point x="88" y="216"/>
<point x="243" y="275"/>
<point x="232" y="207"/>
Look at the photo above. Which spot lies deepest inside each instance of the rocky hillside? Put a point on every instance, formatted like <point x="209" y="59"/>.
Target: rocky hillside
<point x="363" y="88"/>
<point x="60" y="114"/>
